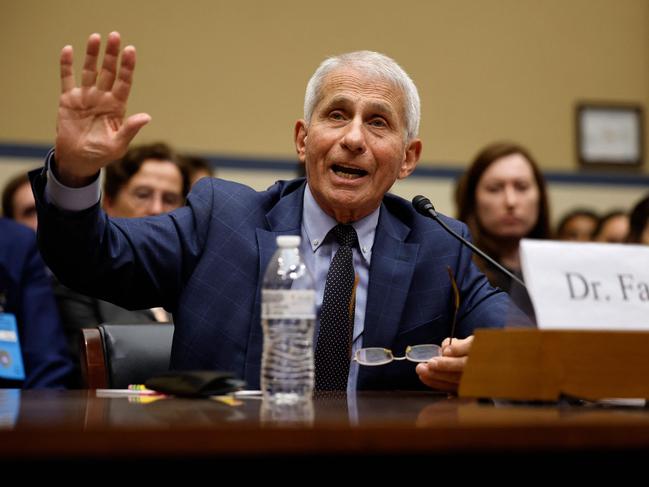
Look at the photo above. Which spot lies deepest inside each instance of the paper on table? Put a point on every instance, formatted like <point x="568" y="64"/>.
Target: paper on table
<point x="126" y="392"/>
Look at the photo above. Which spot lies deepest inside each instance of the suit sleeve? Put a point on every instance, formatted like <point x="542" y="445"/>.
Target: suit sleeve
<point x="482" y="305"/>
<point x="136" y="263"/>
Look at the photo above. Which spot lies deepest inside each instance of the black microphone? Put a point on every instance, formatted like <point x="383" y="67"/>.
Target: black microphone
<point x="426" y="208"/>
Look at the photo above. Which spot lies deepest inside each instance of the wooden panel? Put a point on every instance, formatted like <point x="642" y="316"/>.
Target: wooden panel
<point x="93" y="363"/>
<point x="544" y="365"/>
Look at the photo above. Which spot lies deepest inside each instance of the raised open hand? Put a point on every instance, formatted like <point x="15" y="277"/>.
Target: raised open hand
<point x="91" y="128"/>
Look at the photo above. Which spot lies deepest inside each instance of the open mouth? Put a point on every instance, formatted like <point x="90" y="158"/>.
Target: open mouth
<point x="348" y="172"/>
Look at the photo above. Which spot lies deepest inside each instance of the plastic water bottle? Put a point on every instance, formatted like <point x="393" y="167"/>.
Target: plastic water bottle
<point x="287" y="319"/>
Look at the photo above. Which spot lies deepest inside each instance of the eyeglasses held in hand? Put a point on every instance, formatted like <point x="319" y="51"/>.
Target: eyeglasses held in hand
<point x="456" y="302"/>
<point x="381" y="356"/>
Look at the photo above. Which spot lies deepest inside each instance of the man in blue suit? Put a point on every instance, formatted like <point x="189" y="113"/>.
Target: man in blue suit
<point x="27" y="302"/>
<point x="205" y="262"/>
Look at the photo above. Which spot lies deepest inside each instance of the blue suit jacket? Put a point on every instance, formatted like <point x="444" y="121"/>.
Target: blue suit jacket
<point x="205" y="262"/>
<point x="26" y="292"/>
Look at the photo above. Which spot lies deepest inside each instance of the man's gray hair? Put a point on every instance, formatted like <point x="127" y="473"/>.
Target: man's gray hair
<point x="376" y="65"/>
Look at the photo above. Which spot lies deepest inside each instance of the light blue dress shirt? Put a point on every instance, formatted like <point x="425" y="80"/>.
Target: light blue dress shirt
<point x="318" y="252"/>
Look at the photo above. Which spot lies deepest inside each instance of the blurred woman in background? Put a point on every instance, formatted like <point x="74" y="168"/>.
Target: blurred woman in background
<point x="577" y="225"/>
<point x="639" y="222"/>
<point x="613" y="227"/>
<point x="502" y="197"/>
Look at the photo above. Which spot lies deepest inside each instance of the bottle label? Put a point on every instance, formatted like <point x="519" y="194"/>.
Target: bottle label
<point x="287" y="304"/>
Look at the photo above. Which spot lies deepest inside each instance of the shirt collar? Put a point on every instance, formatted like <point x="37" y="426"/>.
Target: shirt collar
<point x="317" y="225"/>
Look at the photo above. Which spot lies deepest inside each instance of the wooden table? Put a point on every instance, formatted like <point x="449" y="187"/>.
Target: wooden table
<point x="402" y="428"/>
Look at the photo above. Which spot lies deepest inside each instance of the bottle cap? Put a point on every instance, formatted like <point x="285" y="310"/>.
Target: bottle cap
<point x="288" y="241"/>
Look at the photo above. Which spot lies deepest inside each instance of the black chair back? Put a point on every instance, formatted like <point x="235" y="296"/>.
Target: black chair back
<point x="131" y="354"/>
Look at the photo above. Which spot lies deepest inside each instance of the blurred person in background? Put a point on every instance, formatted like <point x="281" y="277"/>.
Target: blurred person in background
<point x="31" y="330"/>
<point x="502" y="197"/>
<point x="577" y="225"/>
<point x="639" y="222"/>
<point x="26" y="297"/>
<point x="149" y="180"/>
<point x="197" y="168"/>
<point x="612" y="227"/>
<point x="18" y="201"/>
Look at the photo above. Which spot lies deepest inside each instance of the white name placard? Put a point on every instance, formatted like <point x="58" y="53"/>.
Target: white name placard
<point x="588" y="286"/>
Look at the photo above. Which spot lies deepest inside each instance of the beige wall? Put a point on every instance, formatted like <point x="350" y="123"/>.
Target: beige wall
<point x="228" y="77"/>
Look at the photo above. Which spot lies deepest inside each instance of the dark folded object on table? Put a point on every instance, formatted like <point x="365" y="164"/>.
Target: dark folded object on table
<point x="195" y="383"/>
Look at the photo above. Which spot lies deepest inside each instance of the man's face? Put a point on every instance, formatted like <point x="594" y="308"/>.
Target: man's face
<point x="24" y="206"/>
<point x="156" y="188"/>
<point x="355" y="146"/>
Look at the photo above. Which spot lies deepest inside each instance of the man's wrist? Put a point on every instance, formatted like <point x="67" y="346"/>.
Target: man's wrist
<point x="68" y="179"/>
<point x="69" y="197"/>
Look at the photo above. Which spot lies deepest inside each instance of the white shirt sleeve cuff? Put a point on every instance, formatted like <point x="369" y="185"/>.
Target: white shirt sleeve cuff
<point x="66" y="198"/>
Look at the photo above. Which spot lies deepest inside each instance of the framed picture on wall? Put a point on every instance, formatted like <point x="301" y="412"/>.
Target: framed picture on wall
<point x="610" y="135"/>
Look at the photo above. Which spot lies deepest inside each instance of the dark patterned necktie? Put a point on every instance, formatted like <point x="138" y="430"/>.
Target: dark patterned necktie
<point x="333" y="350"/>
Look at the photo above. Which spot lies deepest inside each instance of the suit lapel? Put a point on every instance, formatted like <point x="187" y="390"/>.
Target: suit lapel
<point x="391" y="271"/>
<point x="284" y="218"/>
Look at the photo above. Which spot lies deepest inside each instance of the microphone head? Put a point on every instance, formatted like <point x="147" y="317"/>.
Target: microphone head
<point x="423" y="205"/>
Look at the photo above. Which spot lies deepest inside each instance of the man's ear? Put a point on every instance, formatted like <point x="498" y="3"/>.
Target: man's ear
<point x="413" y="152"/>
<point x="300" y="139"/>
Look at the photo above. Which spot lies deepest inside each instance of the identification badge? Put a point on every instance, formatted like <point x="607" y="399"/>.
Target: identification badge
<point x="11" y="359"/>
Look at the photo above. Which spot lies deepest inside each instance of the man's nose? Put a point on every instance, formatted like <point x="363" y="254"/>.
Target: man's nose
<point x="354" y="138"/>
<point x="156" y="206"/>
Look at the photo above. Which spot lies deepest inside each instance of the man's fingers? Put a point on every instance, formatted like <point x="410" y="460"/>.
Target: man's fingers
<point x="89" y="73"/>
<point x="122" y="86"/>
<point x="67" y="71"/>
<point x="445" y="364"/>
<point x="131" y="127"/>
<point x="436" y="379"/>
<point x="458" y="348"/>
<point x="109" y="65"/>
<point x="445" y="372"/>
